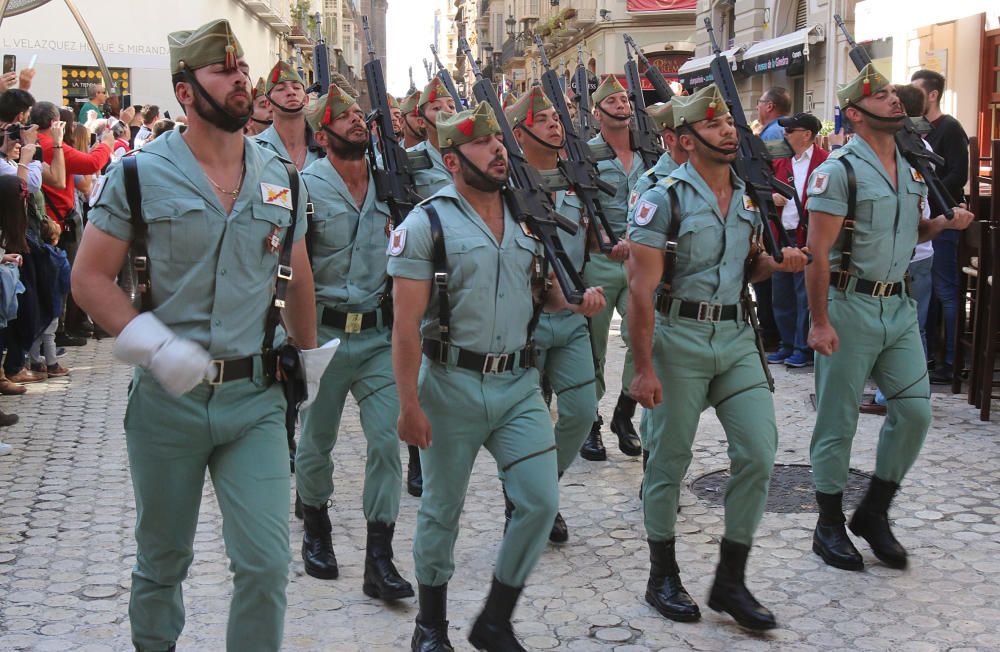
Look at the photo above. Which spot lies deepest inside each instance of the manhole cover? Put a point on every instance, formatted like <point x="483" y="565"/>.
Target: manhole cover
<point x="791" y="489"/>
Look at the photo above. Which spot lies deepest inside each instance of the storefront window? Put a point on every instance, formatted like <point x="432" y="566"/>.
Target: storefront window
<point x="76" y="80"/>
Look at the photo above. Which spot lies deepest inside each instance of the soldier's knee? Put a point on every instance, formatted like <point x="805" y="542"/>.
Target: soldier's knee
<point x="166" y="568"/>
<point x="914" y="412"/>
<point x="265" y="570"/>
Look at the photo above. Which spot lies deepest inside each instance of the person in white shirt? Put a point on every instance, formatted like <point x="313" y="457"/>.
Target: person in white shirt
<point x="788" y="298"/>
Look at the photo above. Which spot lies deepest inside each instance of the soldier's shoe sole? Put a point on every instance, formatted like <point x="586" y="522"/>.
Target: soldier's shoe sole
<point x="672" y="615"/>
<point x="594" y="456"/>
<point x="321" y="574"/>
<point x="753" y="625"/>
<point x="372" y="591"/>
<point x="836" y="563"/>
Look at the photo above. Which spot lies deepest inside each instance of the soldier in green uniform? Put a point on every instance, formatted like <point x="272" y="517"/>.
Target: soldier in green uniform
<point x="289" y="136"/>
<point x="414" y="131"/>
<point x="613" y="113"/>
<point x="348" y="235"/>
<point x="217" y="210"/>
<point x="261" y="118"/>
<point x="562" y="339"/>
<point x="663" y="115"/>
<point x="477" y="387"/>
<point x="701" y="348"/>
<point x="864" y="322"/>
<point x="433" y="100"/>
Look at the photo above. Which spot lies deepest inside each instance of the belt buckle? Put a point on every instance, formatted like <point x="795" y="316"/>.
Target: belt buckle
<point x="441" y="279"/>
<point x="495" y="363"/>
<point x="883" y="289"/>
<point x="141" y="263"/>
<point x="353" y="322"/>
<point x="843" y="279"/>
<point x="285" y="272"/>
<point x="709" y="311"/>
<point x="220" y="367"/>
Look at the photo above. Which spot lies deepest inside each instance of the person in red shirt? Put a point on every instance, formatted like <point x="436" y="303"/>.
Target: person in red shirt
<point x="60" y="204"/>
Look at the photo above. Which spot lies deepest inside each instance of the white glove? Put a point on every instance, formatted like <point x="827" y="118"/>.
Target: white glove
<point x="177" y="363"/>
<point x="314" y="364"/>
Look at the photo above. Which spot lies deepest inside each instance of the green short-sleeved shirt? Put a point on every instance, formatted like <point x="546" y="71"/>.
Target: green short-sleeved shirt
<point x="569" y="206"/>
<point x="211" y="274"/>
<point x="613" y="172"/>
<point x="348" y="244"/>
<point x="489" y="285"/>
<point x="269" y="139"/>
<point x="661" y="170"/>
<point x="434" y="178"/>
<point x="711" y="250"/>
<point x="885" y="230"/>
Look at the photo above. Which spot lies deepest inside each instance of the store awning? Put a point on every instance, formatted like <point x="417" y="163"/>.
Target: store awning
<point x="643" y="6"/>
<point x="695" y="73"/>
<point x="786" y="51"/>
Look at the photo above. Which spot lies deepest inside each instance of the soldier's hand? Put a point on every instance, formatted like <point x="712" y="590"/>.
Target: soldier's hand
<point x="646" y="389"/>
<point x="413" y="427"/>
<point x="593" y="302"/>
<point x="793" y="260"/>
<point x="823" y="339"/>
<point x="961" y="219"/>
<point x="779" y="200"/>
<point x="619" y="252"/>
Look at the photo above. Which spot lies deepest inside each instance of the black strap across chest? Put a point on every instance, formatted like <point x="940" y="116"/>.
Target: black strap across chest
<point x="670" y="250"/>
<point x="439" y="261"/>
<point x="849" y="219"/>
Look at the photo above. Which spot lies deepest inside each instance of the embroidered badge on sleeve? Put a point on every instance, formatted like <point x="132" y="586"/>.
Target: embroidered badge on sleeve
<point x="397" y="241"/>
<point x="277" y="195"/>
<point x="819" y="183"/>
<point x="644" y="212"/>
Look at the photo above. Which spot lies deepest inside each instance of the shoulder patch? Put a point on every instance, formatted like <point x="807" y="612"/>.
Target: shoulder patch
<point x="819" y="183"/>
<point x="397" y="241"/>
<point x="915" y="173"/>
<point x="95" y="192"/>
<point x="277" y="195"/>
<point x="644" y="212"/>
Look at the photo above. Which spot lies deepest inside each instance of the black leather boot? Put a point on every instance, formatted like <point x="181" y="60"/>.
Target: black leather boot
<point x="730" y="594"/>
<point x="298" y="506"/>
<point x="431" y="631"/>
<point x="593" y="448"/>
<point x="664" y="589"/>
<point x="317" y="545"/>
<point x="830" y="540"/>
<point x="492" y="630"/>
<point x="382" y="580"/>
<point x="559" y="532"/>
<point x="508" y="508"/>
<point x="871" y="523"/>
<point x="169" y="649"/>
<point x="621" y="425"/>
<point x="414" y="478"/>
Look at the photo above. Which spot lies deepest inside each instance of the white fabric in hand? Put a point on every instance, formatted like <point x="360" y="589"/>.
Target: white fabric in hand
<point x="177" y="364"/>
<point x="314" y="364"/>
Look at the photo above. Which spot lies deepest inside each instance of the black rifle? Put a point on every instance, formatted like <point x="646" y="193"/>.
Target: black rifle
<point x="579" y="166"/>
<point x="321" y="63"/>
<point x="428" y="71"/>
<point x="644" y="135"/>
<point x="445" y="76"/>
<point x="909" y="142"/>
<point x="584" y="120"/>
<point x="751" y="163"/>
<point x="653" y="74"/>
<point x="528" y="200"/>
<point x="394" y="182"/>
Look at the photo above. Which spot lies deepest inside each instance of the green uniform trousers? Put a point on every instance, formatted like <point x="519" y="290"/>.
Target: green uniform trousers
<point x="236" y="431"/>
<point x="878" y="338"/>
<point x="505" y="414"/>
<point x="363" y="366"/>
<point x="601" y="271"/>
<point x="702" y="364"/>
<point x="562" y="341"/>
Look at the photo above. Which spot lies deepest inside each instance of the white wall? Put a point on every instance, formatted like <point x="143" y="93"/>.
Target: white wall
<point x="140" y="44"/>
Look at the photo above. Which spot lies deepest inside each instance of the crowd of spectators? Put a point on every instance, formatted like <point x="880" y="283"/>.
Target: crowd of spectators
<point x="50" y="160"/>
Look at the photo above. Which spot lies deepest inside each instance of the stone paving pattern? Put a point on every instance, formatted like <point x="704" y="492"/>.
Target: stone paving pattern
<point x="66" y="547"/>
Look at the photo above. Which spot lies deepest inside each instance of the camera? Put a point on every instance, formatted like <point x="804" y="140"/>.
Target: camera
<point x="14" y="132"/>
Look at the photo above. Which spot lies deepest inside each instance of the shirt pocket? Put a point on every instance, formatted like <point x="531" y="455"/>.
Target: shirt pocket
<point x="333" y="232"/>
<point x="876" y="208"/>
<point x="267" y="220"/>
<point x="177" y="229"/>
<point x="472" y="264"/>
<point x="699" y="239"/>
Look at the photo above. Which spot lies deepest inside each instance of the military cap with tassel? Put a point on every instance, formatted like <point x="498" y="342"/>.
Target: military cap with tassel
<point x="662" y="114"/>
<point x="211" y="43"/>
<point x="282" y="72"/>
<point x="325" y="109"/>
<point x="868" y="81"/>
<point x="526" y="108"/>
<point x="704" y="104"/>
<point x="435" y="89"/>
<point x="456" y="129"/>
<point x="609" y="86"/>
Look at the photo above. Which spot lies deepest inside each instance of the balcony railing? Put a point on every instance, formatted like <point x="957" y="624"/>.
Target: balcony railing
<point x="512" y="49"/>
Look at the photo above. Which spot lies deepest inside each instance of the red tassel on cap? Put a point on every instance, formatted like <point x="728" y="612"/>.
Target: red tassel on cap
<point x="710" y="113"/>
<point x="866" y="88"/>
<point x="327" y="115"/>
<point x="530" y="118"/>
<point x="275" y="74"/>
<point x="466" y="126"/>
<point x="230" y="63"/>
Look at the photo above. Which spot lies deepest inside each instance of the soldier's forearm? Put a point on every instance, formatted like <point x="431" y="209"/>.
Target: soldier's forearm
<point x="406" y="362"/>
<point x="640" y="322"/>
<point x="817" y="286"/>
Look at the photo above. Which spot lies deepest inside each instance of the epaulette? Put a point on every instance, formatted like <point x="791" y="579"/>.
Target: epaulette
<point x="667" y="182"/>
<point x="647" y="173"/>
<point x="837" y="153"/>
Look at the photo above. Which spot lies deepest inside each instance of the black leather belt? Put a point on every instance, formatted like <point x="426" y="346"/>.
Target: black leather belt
<point x="350" y="322"/>
<point x="700" y="310"/>
<point x="879" y="289"/>
<point x="227" y="370"/>
<point x="488" y="363"/>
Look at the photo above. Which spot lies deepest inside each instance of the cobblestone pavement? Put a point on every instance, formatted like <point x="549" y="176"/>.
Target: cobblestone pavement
<point x="66" y="547"/>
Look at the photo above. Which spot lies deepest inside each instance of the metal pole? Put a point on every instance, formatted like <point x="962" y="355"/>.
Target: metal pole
<point x="109" y="83"/>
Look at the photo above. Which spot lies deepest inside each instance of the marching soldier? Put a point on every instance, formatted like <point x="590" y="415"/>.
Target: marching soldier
<point x="702" y="349"/>
<point x="216" y="213"/>
<point x="433" y="100"/>
<point x="562" y="339"/>
<point x="613" y="113"/>
<point x="260" y="119"/>
<point x="463" y="274"/>
<point x="348" y="235"/>
<point x="414" y="131"/>
<point x="865" y="206"/>
<point x="289" y="137"/>
<point x="396" y="114"/>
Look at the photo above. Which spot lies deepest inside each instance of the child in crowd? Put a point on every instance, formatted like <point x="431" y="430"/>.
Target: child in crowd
<point x="45" y="345"/>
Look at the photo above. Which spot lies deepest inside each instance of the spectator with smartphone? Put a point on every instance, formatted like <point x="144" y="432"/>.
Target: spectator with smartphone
<point x="97" y="95"/>
<point x="18" y="144"/>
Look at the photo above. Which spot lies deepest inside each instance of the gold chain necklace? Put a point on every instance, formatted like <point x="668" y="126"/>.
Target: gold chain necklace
<point x="232" y="193"/>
